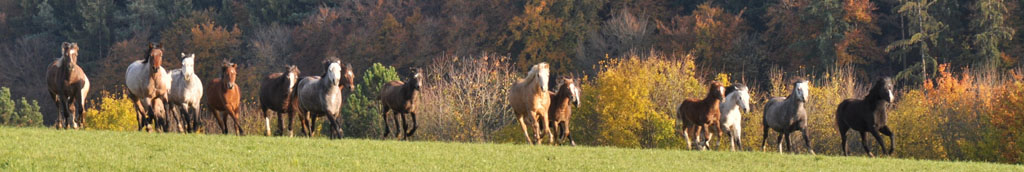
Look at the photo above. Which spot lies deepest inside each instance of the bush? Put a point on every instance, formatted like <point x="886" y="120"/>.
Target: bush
<point x="115" y="112"/>
<point x="465" y="99"/>
<point x="26" y="115"/>
<point x="362" y="109"/>
<point x="632" y="102"/>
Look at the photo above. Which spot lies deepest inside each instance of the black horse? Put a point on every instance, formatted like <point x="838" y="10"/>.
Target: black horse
<point x="867" y="115"/>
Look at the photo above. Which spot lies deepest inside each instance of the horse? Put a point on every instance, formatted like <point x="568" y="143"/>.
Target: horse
<point x="529" y="98"/>
<point x="867" y="115"/>
<point x="68" y="87"/>
<point x="276" y="94"/>
<point x="222" y="95"/>
<point x="737" y="100"/>
<point x="186" y="94"/>
<point x="700" y="114"/>
<point x="148" y="82"/>
<point x="321" y="95"/>
<point x="560" y="110"/>
<point x="786" y="115"/>
<point x="399" y="97"/>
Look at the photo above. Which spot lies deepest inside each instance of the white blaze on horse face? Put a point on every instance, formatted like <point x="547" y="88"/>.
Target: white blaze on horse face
<point x="891" y="97"/>
<point x="721" y="90"/>
<point x="802" y="89"/>
<point x="334" y="72"/>
<point x="744" y="100"/>
<point x="292" y="77"/>
<point x="575" y="93"/>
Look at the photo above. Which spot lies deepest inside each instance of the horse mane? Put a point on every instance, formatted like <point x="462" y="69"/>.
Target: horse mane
<point x="712" y="89"/>
<point x="792" y="92"/>
<point x="875" y="89"/>
<point x="733" y="88"/>
<point x="535" y="73"/>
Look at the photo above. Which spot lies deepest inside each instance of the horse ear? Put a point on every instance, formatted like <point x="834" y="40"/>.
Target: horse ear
<point x="233" y="65"/>
<point x="159" y="46"/>
<point x="64" y="47"/>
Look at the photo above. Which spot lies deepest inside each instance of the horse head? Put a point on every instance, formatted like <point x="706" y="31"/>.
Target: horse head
<point x="417" y="78"/>
<point x="801" y="89"/>
<point x="716" y="91"/>
<point x="349" y="77"/>
<point x="540" y="71"/>
<point x="69" y="51"/>
<point x="743" y="96"/>
<point x="883" y="87"/>
<point x="188" y="62"/>
<point x="570" y="83"/>
<point x="228" y="72"/>
<point x="154" y="56"/>
<point x="293" y="76"/>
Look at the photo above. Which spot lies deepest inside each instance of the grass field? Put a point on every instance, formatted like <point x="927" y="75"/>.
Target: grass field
<point x="45" y="149"/>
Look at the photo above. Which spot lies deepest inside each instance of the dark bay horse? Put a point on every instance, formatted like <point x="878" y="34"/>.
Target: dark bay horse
<point x="276" y="94"/>
<point x="530" y="99"/>
<point x="786" y="115"/>
<point x="867" y="115"/>
<point x="321" y="96"/>
<point x="68" y="87"/>
<point x="400" y="98"/>
<point x="562" y="101"/>
<point x="148" y="82"/>
<point x="699" y="115"/>
<point x="222" y="95"/>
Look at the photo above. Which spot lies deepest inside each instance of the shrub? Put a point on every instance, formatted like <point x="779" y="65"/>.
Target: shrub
<point x="636" y="104"/>
<point x="115" y="112"/>
<point x="362" y="109"/>
<point x="465" y="99"/>
<point x="25" y="115"/>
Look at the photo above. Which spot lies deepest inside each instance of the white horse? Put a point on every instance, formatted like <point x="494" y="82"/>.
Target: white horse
<point x="148" y="82"/>
<point x="185" y="94"/>
<point x="321" y="96"/>
<point x="530" y="98"/>
<point x="737" y="100"/>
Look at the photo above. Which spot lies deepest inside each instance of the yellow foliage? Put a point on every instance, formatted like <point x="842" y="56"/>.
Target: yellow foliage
<point x="114" y="113"/>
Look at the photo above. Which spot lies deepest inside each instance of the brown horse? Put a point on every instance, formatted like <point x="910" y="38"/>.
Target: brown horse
<point x="68" y="86"/>
<point x="148" y="82"/>
<point x="560" y="110"/>
<point x="222" y="95"/>
<point x="529" y="98"/>
<point x="698" y="115"/>
<point x="400" y="97"/>
<point x="276" y="94"/>
<point x="321" y="96"/>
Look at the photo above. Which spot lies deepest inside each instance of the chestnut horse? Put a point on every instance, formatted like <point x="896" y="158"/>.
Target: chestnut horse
<point x="321" y="96"/>
<point x="561" y="111"/>
<point x="400" y="98"/>
<point x="529" y="98"/>
<point x="786" y="115"/>
<point x="699" y="115"/>
<point x="222" y="95"/>
<point x="276" y="94"/>
<point x="148" y="82"/>
<point x="867" y="115"/>
<point x="186" y="94"/>
<point x="68" y="87"/>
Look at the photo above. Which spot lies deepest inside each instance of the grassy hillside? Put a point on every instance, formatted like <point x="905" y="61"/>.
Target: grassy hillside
<point x="38" y="149"/>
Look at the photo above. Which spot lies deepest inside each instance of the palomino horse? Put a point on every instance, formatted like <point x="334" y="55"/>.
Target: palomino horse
<point x="68" y="87"/>
<point x="321" y="96"/>
<point x="222" y="95"/>
<point x="529" y="98"/>
<point x="867" y="115"/>
<point x="699" y="115"/>
<point x="400" y="98"/>
<point x="737" y="100"/>
<point x="186" y="94"/>
<point x="786" y="115"/>
<point x="560" y="110"/>
<point x="147" y="83"/>
<point x="276" y="94"/>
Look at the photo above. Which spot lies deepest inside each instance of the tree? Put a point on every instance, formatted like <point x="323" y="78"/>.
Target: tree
<point x="28" y="114"/>
<point x="989" y="24"/>
<point x="7" y="111"/>
<point x="924" y="31"/>
<point x="362" y="113"/>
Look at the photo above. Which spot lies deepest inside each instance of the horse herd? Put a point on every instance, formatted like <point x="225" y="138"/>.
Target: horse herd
<point x="171" y="100"/>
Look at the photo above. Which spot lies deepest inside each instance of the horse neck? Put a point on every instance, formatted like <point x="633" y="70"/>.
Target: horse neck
<point x="562" y="94"/>
<point x="731" y="101"/>
<point x="791" y="100"/>
<point x="710" y="98"/>
<point x="534" y="82"/>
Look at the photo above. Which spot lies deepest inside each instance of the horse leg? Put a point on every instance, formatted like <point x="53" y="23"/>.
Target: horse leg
<point x="568" y="134"/>
<point x="686" y="135"/>
<point x="697" y="134"/>
<point x="138" y="112"/>
<point x="892" y="141"/>
<point x="864" y="142"/>
<point x="842" y="138"/>
<point x="398" y="126"/>
<point x="789" y="144"/>
<point x="405" y="125"/>
<point x="780" y="141"/>
<point x="807" y="142"/>
<point x="525" y="132"/>
<point x="414" y="124"/>
<point x="878" y="138"/>
<point x="764" y="138"/>
<point x="280" y="123"/>
<point x="291" y="116"/>
<point x="312" y="124"/>
<point x="238" y="127"/>
<point x="547" y="128"/>
<point x="737" y="134"/>
<point x="537" y="132"/>
<point x="384" y="115"/>
<point x="221" y="122"/>
<point x="80" y="109"/>
<point x="266" y="121"/>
